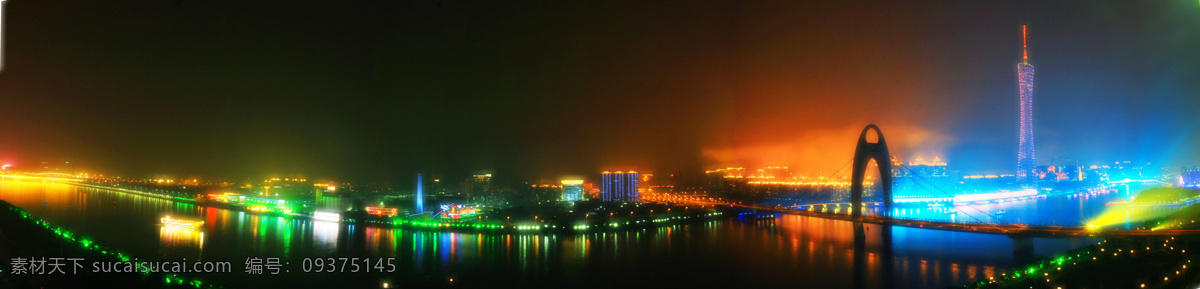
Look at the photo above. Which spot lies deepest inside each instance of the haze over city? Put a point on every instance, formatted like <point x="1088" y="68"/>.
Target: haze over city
<point x="544" y="89"/>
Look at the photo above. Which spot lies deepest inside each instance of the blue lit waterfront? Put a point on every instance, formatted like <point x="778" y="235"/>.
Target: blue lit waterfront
<point x="1071" y="209"/>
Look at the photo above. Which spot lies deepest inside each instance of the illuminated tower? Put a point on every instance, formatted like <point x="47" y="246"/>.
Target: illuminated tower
<point x="1025" y="153"/>
<point x="420" y="195"/>
<point x="619" y="186"/>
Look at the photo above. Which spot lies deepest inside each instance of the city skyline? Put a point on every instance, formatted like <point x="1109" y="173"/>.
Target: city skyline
<point x="641" y="144"/>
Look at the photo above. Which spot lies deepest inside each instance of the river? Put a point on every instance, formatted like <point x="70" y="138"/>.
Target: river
<point x="789" y="251"/>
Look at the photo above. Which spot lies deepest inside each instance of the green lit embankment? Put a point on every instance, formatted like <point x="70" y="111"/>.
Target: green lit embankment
<point x="26" y="236"/>
<point x="1152" y="262"/>
<point x="565" y="227"/>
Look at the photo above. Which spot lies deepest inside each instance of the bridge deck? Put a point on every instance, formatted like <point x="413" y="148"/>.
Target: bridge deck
<point x="999" y="229"/>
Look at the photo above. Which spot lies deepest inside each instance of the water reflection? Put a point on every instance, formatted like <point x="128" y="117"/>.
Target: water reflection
<point x="867" y="264"/>
<point x="784" y="252"/>
<point x="172" y="238"/>
<point x="325" y="236"/>
<point x="860" y="255"/>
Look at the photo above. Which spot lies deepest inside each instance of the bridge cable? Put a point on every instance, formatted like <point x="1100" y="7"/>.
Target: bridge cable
<point x="944" y="193"/>
<point x="902" y="166"/>
<point x="951" y="196"/>
<point x="924" y="188"/>
<point x="839" y="173"/>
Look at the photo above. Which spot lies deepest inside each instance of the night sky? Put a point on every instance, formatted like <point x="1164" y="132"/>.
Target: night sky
<point x="539" y="90"/>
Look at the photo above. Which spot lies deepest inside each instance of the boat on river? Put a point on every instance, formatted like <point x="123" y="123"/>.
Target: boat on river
<point x="177" y="223"/>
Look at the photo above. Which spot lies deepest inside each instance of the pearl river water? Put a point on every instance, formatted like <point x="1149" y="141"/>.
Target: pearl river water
<point x="788" y="251"/>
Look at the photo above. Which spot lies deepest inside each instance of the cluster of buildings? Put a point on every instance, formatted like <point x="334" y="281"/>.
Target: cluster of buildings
<point x="481" y="190"/>
<point x="920" y="180"/>
<point x="430" y="195"/>
<point x="1189" y="177"/>
<point x="614" y="186"/>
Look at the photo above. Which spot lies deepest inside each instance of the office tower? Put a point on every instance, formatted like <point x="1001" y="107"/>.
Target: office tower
<point x="481" y="188"/>
<point x="572" y="190"/>
<point x="1190" y="177"/>
<point x="619" y="186"/>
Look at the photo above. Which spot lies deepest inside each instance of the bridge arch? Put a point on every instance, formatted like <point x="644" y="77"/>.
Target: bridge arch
<point x="863" y="154"/>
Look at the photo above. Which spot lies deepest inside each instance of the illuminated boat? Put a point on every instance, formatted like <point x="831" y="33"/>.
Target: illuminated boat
<point x="176" y="223"/>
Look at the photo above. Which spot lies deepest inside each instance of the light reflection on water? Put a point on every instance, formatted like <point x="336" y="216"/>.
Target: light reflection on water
<point x="325" y="235"/>
<point x="787" y="251"/>
<point x="180" y="239"/>
<point x="1071" y="209"/>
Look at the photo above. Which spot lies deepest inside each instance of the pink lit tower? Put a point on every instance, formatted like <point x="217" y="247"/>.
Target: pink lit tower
<point x="1025" y="154"/>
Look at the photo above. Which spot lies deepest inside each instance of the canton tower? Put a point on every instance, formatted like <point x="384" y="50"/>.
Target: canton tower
<point x="1025" y="154"/>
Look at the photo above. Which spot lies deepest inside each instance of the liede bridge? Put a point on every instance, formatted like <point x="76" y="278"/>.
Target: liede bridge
<point x="1021" y="234"/>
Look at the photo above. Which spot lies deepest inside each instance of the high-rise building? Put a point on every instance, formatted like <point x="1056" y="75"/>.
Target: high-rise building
<point x="1190" y="177"/>
<point x="283" y="187"/>
<point x="572" y="190"/>
<point x="776" y="173"/>
<point x="619" y="186"/>
<point x="1058" y="173"/>
<point x="591" y="192"/>
<point x="921" y="181"/>
<point x="481" y="188"/>
<point x="1025" y="152"/>
<point x="436" y="186"/>
<point x="537" y="193"/>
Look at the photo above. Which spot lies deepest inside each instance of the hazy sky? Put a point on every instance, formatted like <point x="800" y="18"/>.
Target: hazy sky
<point x="529" y="90"/>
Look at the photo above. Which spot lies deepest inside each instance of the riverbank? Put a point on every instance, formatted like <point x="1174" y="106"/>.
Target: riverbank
<point x="1151" y="262"/>
<point x="640" y="216"/>
<point x="41" y="255"/>
<point x="1165" y="197"/>
<point x="136" y="192"/>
